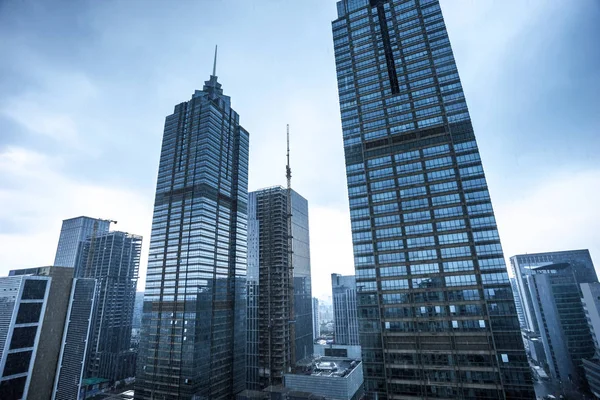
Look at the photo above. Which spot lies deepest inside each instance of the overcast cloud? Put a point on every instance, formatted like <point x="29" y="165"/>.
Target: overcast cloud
<point x="85" y="87"/>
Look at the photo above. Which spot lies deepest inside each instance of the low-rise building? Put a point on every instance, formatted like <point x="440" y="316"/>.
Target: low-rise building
<point x="334" y="378"/>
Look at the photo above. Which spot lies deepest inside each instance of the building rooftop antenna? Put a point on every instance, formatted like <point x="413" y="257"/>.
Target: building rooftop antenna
<point x="215" y="63"/>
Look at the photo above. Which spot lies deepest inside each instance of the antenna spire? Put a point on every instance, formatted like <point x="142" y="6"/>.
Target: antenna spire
<point x="215" y="63"/>
<point x="288" y="170"/>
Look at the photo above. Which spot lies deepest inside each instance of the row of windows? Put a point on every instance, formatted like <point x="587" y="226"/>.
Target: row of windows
<point x="418" y="283"/>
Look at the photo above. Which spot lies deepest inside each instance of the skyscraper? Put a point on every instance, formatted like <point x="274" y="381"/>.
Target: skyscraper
<point x="193" y="325"/>
<point x="345" y="317"/>
<point x="316" y="321"/>
<point x="73" y="233"/>
<point x="113" y="260"/>
<point x="524" y="265"/>
<point x="284" y="324"/>
<point x="554" y="321"/>
<point x="435" y="306"/>
<point x="44" y="324"/>
<point x="563" y="327"/>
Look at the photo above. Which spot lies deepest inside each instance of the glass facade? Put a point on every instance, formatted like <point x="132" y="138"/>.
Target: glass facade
<point x="73" y="233"/>
<point x="194" y="316"/>
<point x="113" y="260"/>
<point x="436" y="312"/>
<point x="564" y="330"/>
<point x="276" y="337"/>
<point x="343" y="291"/>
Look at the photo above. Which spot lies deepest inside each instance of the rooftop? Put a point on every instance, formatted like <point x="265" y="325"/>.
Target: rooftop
<point x="329" y="366"/>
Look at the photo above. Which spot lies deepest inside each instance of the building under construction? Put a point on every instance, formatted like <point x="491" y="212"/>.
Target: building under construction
<point x="279" y="286"/>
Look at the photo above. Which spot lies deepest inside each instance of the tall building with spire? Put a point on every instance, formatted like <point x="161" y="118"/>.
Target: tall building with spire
<point x="436" y="312"/>
<point x="193" y="330"/>
<point x="280" y="301"/>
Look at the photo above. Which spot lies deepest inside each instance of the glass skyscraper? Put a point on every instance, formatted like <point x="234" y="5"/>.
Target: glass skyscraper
<point x="193" y="325"/>
<point x="343" y="294"/>
<point x="73" y="233"/>
<point x="277" y="339"/>
<point x="436" y="312"/>
<point x="113" y="260"/>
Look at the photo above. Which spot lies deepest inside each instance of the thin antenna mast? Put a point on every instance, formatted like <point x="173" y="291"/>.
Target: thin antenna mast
<point x="215" y="63"/>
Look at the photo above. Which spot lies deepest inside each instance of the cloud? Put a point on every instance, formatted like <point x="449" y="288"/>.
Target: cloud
<point x="330" y="247"/>
<point x="559" y="213"/>
<point x="39" y="196"/>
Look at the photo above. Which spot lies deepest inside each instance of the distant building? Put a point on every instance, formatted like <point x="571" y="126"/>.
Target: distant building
<point x="113" y="260"/>
<point x="44" y="324"/>
<point x="344" y="309"/>
<point x="523" y="265"/>
<point x="276" y="338"/>
<point x="557" y="314"/>
<point x="338" y="350"/>
<point x="316" y="321"/>
<point x="518" y="303"/>
<point x="334" y="378"/>
<point x="73" y="233"/>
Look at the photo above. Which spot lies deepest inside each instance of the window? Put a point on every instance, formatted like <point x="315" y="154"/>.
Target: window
<point x="34" y="289"/>
<point x="455" y="252"/>
<point x="438" y="162"/>
<point x="388" y="232"/>
<point x="363" y="260"/>
<point x="447" y="199"/>
<point x="387" y="220"/>
<point x="472" y="197"/>
<point x="402" y="169"/>
<point x="29" y="313"/>
<point x="450" y="225"/>
<point x="394" y="284"/>
<point x="412" y="204"/>
<point x="411" y="180"/>
<point x="484" y="236"/>
<point x="487" y="249"/>
<point x="385" y="196"/>
<point x="391" y="258"/>
<point x="474" y="183"/>
<point x="417" y="216"/>
<point x="492" y="263"/>
<point x="422" y="255"/>
<point x="420" y="241"/>
<point x="461" y="280"/>
<point x="440" y="175"/>
<point x="471" y="171"/>
<point x="385" y="208"/>
<point x="411" y="155"/>
<point x="416" y="269"/>
<point x="448" y="212"/>
<point x="484" y="208"/>
<point x="453" y="238"/>
<point x="381" y="185"/>
<point x="392" y="271"/>
<point x="483" y="222"/>
<point x="362" y="236"/>
<point x="413" y="192"/>
<point x="374" y="162"/>
<point x="494" y="278"/>
<point x="443" y="187"/>
<point x="418" y="229"/>
<point x="363" y="248"/>
<point x="454" y="266"/>
<point x="390" y="245"/>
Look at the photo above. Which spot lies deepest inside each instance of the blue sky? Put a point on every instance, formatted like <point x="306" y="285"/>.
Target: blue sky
<point x="85" y="87"/>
